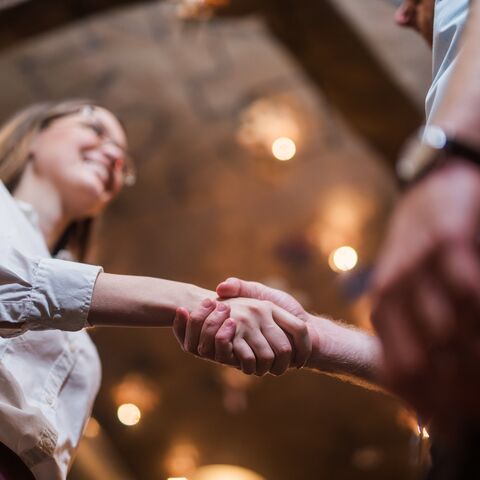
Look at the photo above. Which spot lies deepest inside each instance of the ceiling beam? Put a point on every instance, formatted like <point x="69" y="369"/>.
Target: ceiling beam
<point x="336" y="58"/>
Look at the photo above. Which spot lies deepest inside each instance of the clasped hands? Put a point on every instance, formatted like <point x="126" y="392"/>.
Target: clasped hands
<point x="252" y="327"/>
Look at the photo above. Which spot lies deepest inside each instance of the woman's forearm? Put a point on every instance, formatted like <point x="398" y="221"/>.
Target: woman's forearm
<point x="345" y="351"/>
<point x="130" y="301"/>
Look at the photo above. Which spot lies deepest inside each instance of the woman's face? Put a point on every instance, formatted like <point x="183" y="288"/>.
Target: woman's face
<point x="82" y="156"/>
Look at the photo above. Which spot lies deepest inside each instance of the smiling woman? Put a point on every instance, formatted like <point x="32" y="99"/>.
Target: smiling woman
<point x="78" y="148"/>
<point x="62" y="164"/>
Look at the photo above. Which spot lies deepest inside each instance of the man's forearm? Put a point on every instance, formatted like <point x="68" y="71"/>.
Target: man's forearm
<point x="345" y="351"/>
<point x="130" y="301"/>
<point x="459" y="112"/>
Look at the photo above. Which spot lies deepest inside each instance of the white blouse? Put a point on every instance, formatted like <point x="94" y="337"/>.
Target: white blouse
<point x="49" y="368"/>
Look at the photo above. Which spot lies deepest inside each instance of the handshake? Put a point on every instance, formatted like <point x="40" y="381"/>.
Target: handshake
<point x="262" y="330"/>
<point x="252" y="327"/>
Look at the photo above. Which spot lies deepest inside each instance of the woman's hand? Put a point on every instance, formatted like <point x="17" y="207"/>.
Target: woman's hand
<point x="260" y="341"/>
<point x="336" y="348"/>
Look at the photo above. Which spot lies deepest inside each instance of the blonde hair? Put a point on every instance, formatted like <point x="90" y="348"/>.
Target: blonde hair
<point x="16" y="136"/>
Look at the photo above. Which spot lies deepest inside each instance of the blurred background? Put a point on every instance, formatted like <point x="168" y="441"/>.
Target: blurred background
<point x="265" y="134"/>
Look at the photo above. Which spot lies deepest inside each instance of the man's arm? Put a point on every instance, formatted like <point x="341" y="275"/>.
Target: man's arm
<point x="427" y="282"/>
<point x="345" y="352"/>
<point x="337" y="349"/>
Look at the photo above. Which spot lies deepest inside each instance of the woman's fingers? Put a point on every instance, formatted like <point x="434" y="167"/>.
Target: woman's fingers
<point x="245" y="356"/>
<point x="263" y="352"/>
<point x="299" y="332"/>
<point x="211" y="325"/>
<point x="224" y="343"/>
<point x="195" y="324"/>
<point x="281" y="346"/>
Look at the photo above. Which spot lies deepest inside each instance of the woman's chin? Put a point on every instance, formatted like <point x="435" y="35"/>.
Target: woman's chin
<point x="92" y="199"/>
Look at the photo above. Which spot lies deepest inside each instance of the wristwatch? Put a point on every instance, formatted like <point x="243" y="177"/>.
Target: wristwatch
<point x="431" y="147"/>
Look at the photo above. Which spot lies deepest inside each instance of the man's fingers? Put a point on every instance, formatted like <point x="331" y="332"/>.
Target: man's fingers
<point x="281" y="346"/>
<point x="195" y="324"/>
<point x="234" y="287"/>
<point x="206" y="346"/>
<point x="433" y="310"/>
<point x="180" y="325"/>
<point x="224" y="343"/>
<point x="459" y="270"/>
<point x="299" y="332"/>
<point x="405" y="360"/>
<point x="245" y="356"/>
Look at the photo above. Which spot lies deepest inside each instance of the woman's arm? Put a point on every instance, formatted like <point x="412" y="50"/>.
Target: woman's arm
<point x="130" y="301"/>
<point x="260" y="345"/>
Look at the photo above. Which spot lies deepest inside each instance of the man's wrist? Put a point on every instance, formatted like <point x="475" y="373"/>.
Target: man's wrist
<point x="433" y="147"/>
<point x="343" y="350"/>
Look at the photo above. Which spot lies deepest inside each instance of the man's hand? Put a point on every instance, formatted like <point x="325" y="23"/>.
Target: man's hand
<point x="261" y="340"/>
<point x="336" y="349"/>
<point x="427" y="292"/>
<point x="234" y="287"/>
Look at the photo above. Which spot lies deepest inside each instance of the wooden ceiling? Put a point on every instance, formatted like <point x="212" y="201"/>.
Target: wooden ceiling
<point x="205" y="208"/>
<point x="330" y="52"/>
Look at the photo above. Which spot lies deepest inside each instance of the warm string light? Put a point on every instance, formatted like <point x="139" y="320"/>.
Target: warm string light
<point x="129" y="414"/>
<point x="343" y="259"/>
<point x="284" y="149"/>
<point x="273" y="125"/>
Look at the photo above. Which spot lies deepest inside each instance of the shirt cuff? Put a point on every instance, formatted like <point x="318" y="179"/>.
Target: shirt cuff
<point x="61" y="295"/>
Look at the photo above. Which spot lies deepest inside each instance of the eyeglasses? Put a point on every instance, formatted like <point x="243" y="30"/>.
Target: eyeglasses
<point x="125" y="163"/>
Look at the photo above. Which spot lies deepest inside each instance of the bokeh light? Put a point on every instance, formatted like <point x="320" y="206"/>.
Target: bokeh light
<point x="343" y="259"/>
<point x="225" y="472"/>
<point x="284" y="149"/>
<point x="129" y="414"/>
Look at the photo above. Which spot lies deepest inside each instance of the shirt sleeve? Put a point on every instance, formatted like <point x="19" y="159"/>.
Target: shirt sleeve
<point x="43" y="293"/>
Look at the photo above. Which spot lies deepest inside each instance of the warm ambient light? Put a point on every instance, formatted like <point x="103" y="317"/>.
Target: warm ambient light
<point x="225" y="472"/>
<point x="92" y="430"/>
<point x="423" y="432"/>
<point x="343" y="259"/>
<point x="284" y="149"/>
<point x="129" y="414"/>
<point x="177" y="478"/>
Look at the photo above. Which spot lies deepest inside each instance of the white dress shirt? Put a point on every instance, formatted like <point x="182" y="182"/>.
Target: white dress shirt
<point x="49" y="368"/>
<point x="450" y="19"/>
